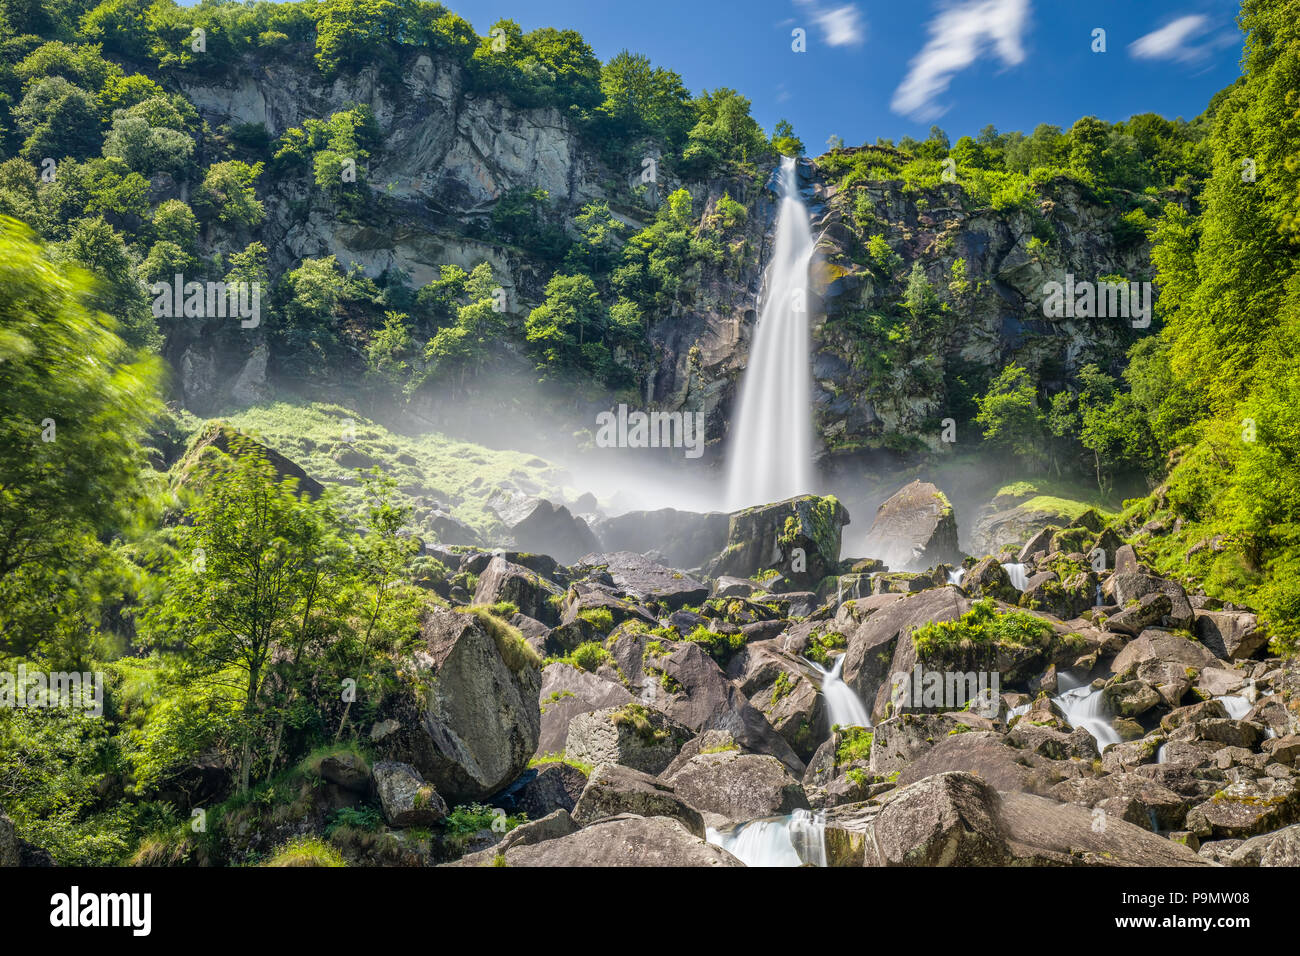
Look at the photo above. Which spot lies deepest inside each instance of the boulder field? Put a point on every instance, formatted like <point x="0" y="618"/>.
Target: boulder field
<point x="625" y="711"/>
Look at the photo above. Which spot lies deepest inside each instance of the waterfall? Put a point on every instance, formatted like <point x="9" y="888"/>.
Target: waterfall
<point x="956" y="576"/>
<point x="780" y="841"/>
<point x="1016" y="572"/>
<point x="844" y="706"/>
<point x="770" y="453"/>
<point x="1236" y="705"/>
<point x="1085" y="707"/>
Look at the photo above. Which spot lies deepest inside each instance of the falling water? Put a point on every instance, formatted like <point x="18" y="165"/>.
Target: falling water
<point x="771" y="446"/>
<point x="779" y="841"/>
<point x="1085" y="707"/>
<point x="1016" y="572"/>
<point x="1237" y="706"/>
<point x="845" y="707"/>
<point x="956" y="576"/>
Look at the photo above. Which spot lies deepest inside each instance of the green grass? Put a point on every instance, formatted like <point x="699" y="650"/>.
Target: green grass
<point x="544" y="759"/>
<point x="468" y="819"/>
<point x="306" y="851"/>
<point x="981" y="625"/>
<point x="587" y="657"/>
<point x="718" y="646"/>
<point x="636" y="717"/>
<point x="601" y="618"/>
<point x="515" y="651"/>
<point x="310" y="764"/>
<point x="821" y="643"/>
<point x="429" y="464"/>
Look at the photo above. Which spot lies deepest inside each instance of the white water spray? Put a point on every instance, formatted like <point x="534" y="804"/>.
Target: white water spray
<point x="781" y="841"/>
<point x="1085" y="707"/>
<point x="770" y="453"/>
<point x="844" y="706"/>
<point x="1016" y="572"/>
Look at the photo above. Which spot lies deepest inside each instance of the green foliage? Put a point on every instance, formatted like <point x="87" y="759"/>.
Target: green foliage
<point x="854" y="744"/>
<point x="306" y="851"/>
<point x="982" y="625"/>
<point x="228" y="196"/>
<point x="468" y="819"/>
<point x="1010" y="417"/>
<point x="76" y="405"/>
<point x="718" y="646"/>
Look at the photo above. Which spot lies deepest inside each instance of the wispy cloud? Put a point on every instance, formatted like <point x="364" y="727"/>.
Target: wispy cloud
<point x="840" y="26"/>
<point x="1173" y="41"/>
<point x="959" y="35"/>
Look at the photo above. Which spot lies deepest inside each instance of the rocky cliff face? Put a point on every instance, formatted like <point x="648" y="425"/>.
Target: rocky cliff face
<point x="449" y="153"/>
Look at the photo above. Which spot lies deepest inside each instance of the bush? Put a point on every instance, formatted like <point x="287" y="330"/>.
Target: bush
<point x="307" y="851"/>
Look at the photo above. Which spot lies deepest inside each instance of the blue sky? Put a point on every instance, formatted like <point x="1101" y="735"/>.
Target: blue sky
<point x="874" y="68"/>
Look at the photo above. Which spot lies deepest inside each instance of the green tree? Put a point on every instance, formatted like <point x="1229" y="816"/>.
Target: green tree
<point x="228" y="195"/>
<point x="1010" y="417"/>
<point x="252" y="567"/>
<point x="76" y="404"/>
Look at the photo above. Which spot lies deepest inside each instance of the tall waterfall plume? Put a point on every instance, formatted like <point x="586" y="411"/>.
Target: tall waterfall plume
<point x="770" y="452"/>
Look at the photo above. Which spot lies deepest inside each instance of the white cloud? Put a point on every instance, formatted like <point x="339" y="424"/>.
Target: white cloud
<point x="840" y="26"/>
<point x="1170" y="42"/>
<point x="959" y="35"/>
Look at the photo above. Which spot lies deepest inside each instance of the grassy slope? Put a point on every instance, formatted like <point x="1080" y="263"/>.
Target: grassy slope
<point x="456" y="472"/>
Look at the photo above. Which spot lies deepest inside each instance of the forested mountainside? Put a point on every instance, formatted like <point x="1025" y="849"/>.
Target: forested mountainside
<point x="438" y="221"/>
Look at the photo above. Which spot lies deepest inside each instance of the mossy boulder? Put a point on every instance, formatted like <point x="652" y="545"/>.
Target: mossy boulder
<point x="799" y="537"/>
<point x="915" y="528"/>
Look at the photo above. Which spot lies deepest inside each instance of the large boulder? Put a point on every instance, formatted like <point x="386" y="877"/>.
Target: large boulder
<point x="738" y="786"/>
<point x="625" y="840"/>
<point x="535" y="596"/>
<point x="536" y="524"/>
<point x="914" y="529"/>
<point x="1042" y="832"/>
<point x="873" y="647"/>
<point x="800" y="537"/>
<point x="1012" y="519"/>
<point x="1246" y="808"/>
<point x="958" y="819"/>
<point x="552" y="826"/>
<point x="949" y="819"/>
<point x="612" y="790"/>
<point x="682" y="680"/>
<point x="684" y="538"/>
<point x="406" y="799"/>
<point x="632" y="736"/>
<point x="1149" y="611"/>
<point x="476" y="717"/>
<point x="1123" y="588"/>
<point x="567" y="692"/>
<point x="1231" y="635"/>
<point x="640" y="579"/>
<point x="1166" y="646"/>
<point x="223" y="437"/>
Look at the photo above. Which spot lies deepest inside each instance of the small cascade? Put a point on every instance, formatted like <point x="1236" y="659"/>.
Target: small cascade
<point x="956" y="576"/>
<point x="1017" y="711"/>
<point x="844" y="707"/>
<point x="1236" y="705"/>
<point x="1016" y="572"/>
<point x="1160" y="753"/>
<point x="777" y="841"/>
<point x="1085" y="707"/>
<point x="1239" y="705"/>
